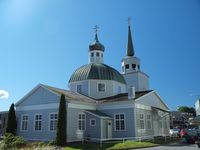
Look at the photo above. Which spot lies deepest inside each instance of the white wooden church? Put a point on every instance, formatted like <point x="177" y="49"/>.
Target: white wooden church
<point x="102" y="103"/>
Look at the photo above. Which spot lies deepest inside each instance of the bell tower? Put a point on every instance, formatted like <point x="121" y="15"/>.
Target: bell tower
<point x="131" y="67"/>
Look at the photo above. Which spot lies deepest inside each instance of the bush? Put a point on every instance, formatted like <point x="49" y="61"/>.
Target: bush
<point x="41" y="144"/>
<point x="51" y="143"/>
<point x="11" y="141"/>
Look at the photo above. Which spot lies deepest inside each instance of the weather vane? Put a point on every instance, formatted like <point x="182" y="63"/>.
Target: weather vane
<point x="96" y="27"/>
<point x="129" y="21"/>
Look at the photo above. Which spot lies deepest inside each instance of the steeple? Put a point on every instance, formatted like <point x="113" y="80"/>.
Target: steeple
<point x="130" y="49"/>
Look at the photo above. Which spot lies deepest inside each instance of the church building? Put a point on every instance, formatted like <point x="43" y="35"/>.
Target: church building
<point x="102" y="103"/>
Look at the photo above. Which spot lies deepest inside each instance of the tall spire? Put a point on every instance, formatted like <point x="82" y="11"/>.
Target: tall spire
<point x="130" y="49"/>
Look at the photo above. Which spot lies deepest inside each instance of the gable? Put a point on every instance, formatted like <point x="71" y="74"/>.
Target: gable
<point x="152" y="99"/>
<point x="38" y="95"/>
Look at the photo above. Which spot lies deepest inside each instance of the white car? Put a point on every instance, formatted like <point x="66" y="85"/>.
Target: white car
<point x="174" y="132"/>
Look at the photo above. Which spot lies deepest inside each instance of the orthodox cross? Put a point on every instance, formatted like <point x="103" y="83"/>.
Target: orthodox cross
<point x="96" y="28"/>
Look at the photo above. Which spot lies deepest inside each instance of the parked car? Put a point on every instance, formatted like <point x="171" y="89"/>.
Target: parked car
<point x="174" y="132"/>
<point x="183" y="132"/>
<point x="191" y="136"/>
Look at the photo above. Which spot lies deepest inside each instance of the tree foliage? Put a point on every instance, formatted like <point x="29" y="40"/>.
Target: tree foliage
<point x="12" y="122"/>
<point x="61" y="126"/>
<point x="187" y="110"/>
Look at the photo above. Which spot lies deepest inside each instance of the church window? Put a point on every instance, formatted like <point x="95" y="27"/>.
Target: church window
<point x="134" y="66"/>
<point x="127" y="66"/>
<point x="92" y="54"/>
<point x="92" y="122"/>
<point x="165" y="122"/>
<point x="101" y="87"/>
<point x="81" y="122"/>
<point x="97" y="54"/>
<point x="120" y="122"/>
<point x="101" y="54"/>
<point x="119" y="89"/>
<point x="142" y="121"/>
<point x="148" y="121"/>
<point x="24" y="122"/>
<point x="53" y="120"/>
<point x="38" y="122"/>
<point x="79" y="88"/>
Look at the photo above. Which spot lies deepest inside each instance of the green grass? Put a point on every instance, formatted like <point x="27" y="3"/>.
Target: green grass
<point x="110" y="146"/>
<point x="120" y="145"/>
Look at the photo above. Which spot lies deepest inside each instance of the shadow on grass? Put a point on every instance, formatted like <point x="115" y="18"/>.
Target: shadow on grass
<point x="88" y="146"/>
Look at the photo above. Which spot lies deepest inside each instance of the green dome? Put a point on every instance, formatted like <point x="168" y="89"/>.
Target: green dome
<point x="96" y="71"/>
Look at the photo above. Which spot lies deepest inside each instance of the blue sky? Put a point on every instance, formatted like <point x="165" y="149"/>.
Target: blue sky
<point x="45" y="41"/>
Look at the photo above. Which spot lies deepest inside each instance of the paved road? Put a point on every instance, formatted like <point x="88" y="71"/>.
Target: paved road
<point x="173" y="147"/>
<point x="179" y="146"/>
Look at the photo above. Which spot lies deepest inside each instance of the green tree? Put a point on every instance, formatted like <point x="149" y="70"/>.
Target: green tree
<point x="12" y="122"/>
<point x="187" y="110"/>
<point x="61" y="126"/>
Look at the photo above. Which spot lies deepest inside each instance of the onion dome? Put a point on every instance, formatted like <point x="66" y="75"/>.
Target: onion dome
<point x="96" y="71"/>
<point x="96" y="45"/>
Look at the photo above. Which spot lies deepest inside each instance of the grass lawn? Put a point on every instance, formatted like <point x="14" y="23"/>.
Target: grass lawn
<point x="120" y="145"/>
<point x="109" y="146"/>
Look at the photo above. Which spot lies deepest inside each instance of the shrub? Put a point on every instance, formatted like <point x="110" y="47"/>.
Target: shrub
<point x="41" y="144"/>
<point x="51" y="143"/>
<point x="11" y="141"/>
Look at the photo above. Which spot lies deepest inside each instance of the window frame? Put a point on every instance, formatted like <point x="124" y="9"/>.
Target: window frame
<point x="93" y="119"/>
<point x="149" y="120"/>
<point x="80" y="86"/>
<point x="115" y="120"/>
<point x="54" y="124"/>
<point x="142" y="120"/>
<point x="127" y="66"/>
<point x="101" y="83"/>
<point x="80" y="119"/>
<point x="35" y="122"/>
<point x="24" y="121"/>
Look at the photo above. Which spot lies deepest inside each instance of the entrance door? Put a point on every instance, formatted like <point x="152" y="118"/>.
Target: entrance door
<point x="109" y="128"/>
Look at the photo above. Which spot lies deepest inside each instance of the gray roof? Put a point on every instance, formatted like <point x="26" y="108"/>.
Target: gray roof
<point x="97" y="71"/>
<point x="98" y="113"/>
<point x="70" y="95"/>
<point x="123" y="96"/>
<point x="130" y="49"/>
<point x="96" y="45"/>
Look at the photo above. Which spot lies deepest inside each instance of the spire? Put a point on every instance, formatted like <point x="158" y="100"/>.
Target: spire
<point x="96" y="37"/>
<point x="96" y="31"/>
<point x="130" y="49"/>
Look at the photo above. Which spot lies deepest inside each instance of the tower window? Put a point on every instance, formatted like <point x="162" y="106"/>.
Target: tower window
<point x="101" y="87"/>
<point x="79" y="88"/>
<point x="97" y="54"/>
<point x="133" y="66"/>
<point x="139" y="67"/>
<point x="127" y="66"/>
<point x="101" y="54"/>
<point x="92" y="54"/>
